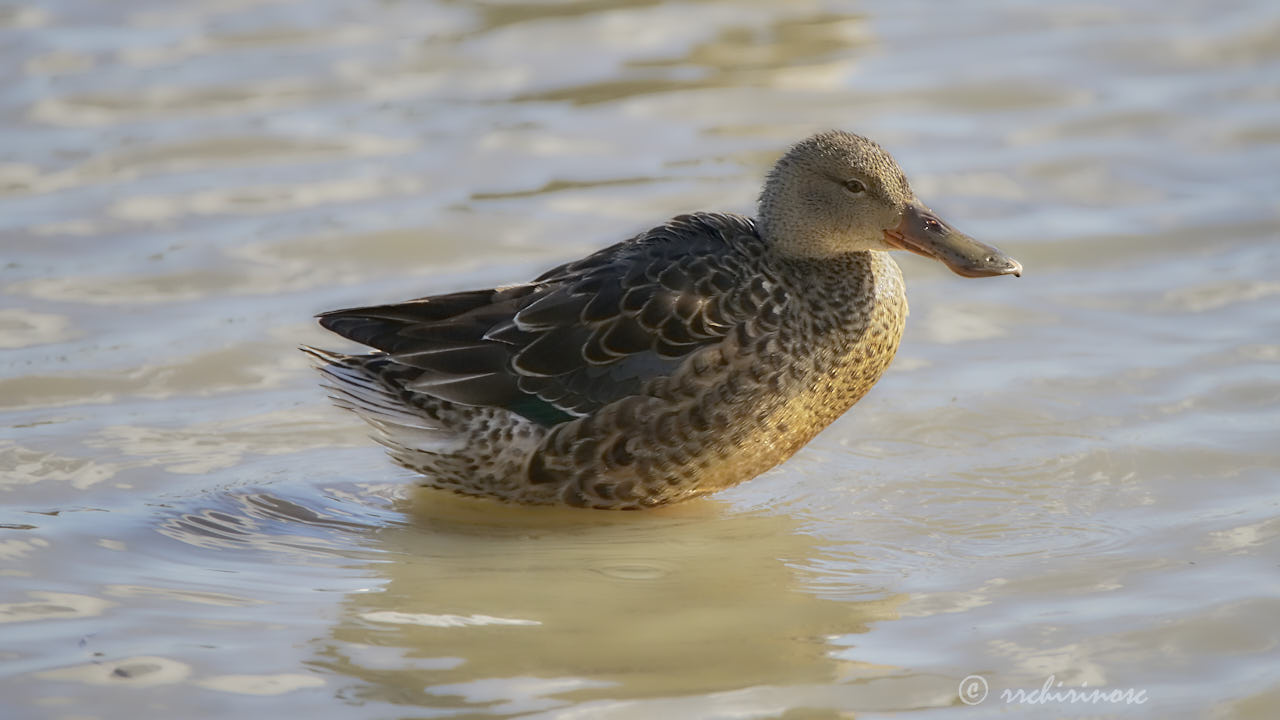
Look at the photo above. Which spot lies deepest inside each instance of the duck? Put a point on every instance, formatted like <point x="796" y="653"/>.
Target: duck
<point x="685" y="360"/>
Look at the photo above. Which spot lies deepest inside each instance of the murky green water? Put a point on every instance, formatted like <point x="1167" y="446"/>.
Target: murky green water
<point x="1073" y="475"/>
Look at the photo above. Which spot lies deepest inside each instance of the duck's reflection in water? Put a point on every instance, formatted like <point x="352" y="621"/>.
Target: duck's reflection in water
<point x="500" y="609"/>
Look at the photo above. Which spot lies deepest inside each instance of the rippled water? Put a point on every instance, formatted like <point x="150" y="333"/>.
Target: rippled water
<point x="1073" y="474"/>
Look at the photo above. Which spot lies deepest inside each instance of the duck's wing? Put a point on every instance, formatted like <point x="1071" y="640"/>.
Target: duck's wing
<point x="586" y="333"/>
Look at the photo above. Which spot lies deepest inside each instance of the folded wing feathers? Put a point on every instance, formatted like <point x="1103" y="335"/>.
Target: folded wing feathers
<point x="656" y="299"/>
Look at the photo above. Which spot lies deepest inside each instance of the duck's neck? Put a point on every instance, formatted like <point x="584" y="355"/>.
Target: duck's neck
<point x="841" y="298"/>
<point x="834" y="277"/>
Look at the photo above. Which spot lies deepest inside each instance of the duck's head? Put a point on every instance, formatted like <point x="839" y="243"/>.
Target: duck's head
<point x="837" y="192"/>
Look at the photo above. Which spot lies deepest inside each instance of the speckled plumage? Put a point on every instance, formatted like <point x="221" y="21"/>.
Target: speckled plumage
<point x="685" y="360"/>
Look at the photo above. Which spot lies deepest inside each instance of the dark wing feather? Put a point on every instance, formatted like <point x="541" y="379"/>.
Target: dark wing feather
<point x="584" y="334"/>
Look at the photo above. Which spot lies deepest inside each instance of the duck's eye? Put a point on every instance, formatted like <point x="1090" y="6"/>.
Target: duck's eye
<point x="855" y="186"/>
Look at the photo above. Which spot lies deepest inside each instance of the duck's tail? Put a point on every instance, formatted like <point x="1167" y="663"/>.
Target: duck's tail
<point x="467" y="449"/>
<point x="369" y="386"/>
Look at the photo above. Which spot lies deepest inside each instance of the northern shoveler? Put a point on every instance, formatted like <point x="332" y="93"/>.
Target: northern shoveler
<point x="689" y="358"/>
